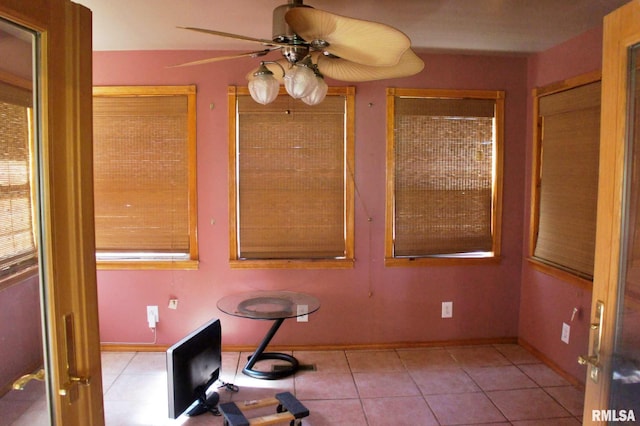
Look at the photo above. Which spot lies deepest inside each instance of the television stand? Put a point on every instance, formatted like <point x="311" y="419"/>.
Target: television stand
<point x="206" y="404"/>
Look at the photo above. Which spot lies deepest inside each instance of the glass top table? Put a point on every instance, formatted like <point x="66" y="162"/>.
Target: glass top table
<point x="269" y="305"/>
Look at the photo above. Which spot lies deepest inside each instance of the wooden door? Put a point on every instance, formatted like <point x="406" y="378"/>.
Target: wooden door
<point x="613" y="364"/>
<point x="63" y="215"/>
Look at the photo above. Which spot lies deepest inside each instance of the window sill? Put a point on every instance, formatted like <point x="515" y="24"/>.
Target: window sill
<point x="19" y="277"/>
<point x="292" y="264"/>
<point x="560" y="274"/>
<point x="111" y="265"/>
<point x="440" y="261"/>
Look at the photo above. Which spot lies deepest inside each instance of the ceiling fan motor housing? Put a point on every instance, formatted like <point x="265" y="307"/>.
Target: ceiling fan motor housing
<point x="298" y="48"/>
<point x="282" y="32"/>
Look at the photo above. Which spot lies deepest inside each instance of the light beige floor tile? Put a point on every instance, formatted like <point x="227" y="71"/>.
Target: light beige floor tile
<point x="334" y="412"/>
<point x="229" y="368"/>
<point x="139" y="387"/>
<point x="402" y="411"/>
<point x="381" y="385"/>
<point x="324" y="361"/>
<point x="374" y="361"/>
<point x="115" y="362"/>
<point x="147" y="363"/>
<point x="500" y="378"/>
<point x="107" y="381"/>
<point x="325" y="386"/>
<point x="527" y="404"/>
<point x="543" y="375"/>
<point x="478" y="356"/>
<point x="450" y="380"/>
<point x="455" y="385"/>
<point x="548" y="422"/>
<point x="430" y="358"/>
<point x="465" y="408"/>
<point x="517" y="354"/>
<point x="569" y="397"/>
<point x="129" y="413"/>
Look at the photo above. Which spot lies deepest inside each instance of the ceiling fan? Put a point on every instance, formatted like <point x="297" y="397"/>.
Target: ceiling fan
<point x="314" y="44"/>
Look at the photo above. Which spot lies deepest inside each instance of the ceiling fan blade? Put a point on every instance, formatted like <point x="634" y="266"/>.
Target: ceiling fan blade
<point x="235" y="36"/>
<point x="255" y="54"/>
<point x="343" y="70"/>
<point x="363" y="42"/>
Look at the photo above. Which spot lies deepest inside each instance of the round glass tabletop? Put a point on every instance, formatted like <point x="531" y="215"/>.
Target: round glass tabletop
<point x="269" y="304"/>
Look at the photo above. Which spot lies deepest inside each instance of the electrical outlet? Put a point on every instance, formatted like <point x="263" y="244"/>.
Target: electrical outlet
<point x="152" y="316"/>
<point x="566" y="330"/>
<point x="173" y="303"/>
<point x="447" y="309"/>
<point x="303" y="311"/>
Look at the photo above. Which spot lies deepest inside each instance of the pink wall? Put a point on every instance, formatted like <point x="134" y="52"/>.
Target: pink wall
<point x="546" y="302"/>
<point x="20" y="331"/>
<point x="369" y="304"/>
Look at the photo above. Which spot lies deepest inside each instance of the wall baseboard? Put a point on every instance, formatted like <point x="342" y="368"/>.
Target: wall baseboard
<point x="107" y="347"/>
<point x="551" y="364"/>
<point x="132" y="347"/>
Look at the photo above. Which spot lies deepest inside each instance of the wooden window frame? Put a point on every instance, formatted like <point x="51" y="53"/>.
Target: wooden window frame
<point x="390" y="259"/>
<point x="537" y="93"/>
<point x="338" y="263"/>
<point x="159" y="263"/>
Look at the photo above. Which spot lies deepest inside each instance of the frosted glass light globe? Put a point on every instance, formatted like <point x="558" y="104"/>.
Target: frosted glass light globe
<point x="264" y="88"/>
<point x="299" y="81"/>
<point x="317" y="95"/>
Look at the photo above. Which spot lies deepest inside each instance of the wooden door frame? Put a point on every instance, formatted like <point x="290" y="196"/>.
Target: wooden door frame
<point x="621" y="30"/>
<point x="67" y="222"/>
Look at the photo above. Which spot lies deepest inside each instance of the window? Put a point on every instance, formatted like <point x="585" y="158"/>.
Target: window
<point x="565" y="182"/>
<point x="444" y="172"/>
<point x="291" y="178"/>
<point x="17" y="238"/>
<point x="145" y="177"/>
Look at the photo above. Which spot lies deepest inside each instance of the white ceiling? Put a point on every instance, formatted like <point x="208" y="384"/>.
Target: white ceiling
<point x="506" y="26"/>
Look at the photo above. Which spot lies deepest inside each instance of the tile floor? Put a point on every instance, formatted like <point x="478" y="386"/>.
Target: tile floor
<point x="466" y="385"/>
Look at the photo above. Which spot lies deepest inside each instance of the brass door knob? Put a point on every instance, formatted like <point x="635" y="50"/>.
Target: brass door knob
<point x="590" y="360"/>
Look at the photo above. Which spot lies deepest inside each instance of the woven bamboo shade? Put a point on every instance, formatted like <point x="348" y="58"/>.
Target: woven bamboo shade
<point x="17" y="244"/>
<point x="291" y="180"/>
<point x="443" y="176"/>
<point x="141" y="173"/>
<point x="569" y="178"/>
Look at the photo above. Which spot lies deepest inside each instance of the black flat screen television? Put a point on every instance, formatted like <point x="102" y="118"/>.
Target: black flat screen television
<point x="193" y="365"/>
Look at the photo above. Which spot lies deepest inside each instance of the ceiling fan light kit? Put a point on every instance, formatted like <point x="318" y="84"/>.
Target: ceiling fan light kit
<point x="315" y="44"/>
<point x="299" y="80"/>
<point x="264" y="87"/>
<point x="318" y="94"/>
